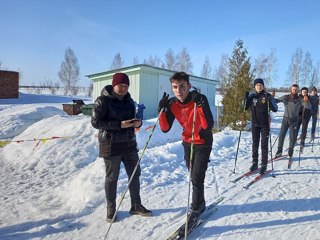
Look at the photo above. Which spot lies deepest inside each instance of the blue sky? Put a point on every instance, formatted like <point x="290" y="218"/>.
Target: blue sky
<point x="35" y="33"/>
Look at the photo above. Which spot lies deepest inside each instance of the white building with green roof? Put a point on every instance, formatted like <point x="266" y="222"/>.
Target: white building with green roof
<point x="148" y="83"/>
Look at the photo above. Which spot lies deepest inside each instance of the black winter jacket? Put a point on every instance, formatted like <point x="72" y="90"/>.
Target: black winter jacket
<point x="107" y="114"/>
<point x="305" y="111"/>
<point x="260" y="105"/>
<point x="314" y="100"/>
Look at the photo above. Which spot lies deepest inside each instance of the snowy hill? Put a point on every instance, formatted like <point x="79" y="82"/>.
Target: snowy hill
<point x="54" y="188"/>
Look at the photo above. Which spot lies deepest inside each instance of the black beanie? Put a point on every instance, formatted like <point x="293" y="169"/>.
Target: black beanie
<point x="258" y="80"/>
<point x="304" y="88"/>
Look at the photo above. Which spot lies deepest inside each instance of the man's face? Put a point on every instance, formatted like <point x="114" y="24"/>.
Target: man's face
<point x="180" y="88"/>
<point x="259" y="87"/>
<point x="294" y="90"/>
<point x="121" y="89"/>
<point x="304" y="92"/>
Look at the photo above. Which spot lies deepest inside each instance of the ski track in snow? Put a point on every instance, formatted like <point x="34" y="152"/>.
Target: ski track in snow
<point x="55" y="190"/>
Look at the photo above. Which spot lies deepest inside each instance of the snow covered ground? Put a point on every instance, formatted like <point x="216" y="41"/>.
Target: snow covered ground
<point x="54" y="188"/>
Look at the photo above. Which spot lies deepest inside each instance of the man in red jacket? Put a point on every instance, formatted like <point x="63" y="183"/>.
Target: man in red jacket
<point x="181" y="107"/>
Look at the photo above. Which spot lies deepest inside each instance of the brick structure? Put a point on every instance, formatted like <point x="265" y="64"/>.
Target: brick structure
<point x="9" y="84"/>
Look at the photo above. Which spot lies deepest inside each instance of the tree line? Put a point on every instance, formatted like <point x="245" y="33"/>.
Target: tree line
<point x="302" y="69"/>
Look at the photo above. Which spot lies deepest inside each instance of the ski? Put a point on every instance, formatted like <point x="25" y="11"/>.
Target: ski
<point x="210" y="209"/>
<point x="257" y="178"/>
<point x="252" y="172"/>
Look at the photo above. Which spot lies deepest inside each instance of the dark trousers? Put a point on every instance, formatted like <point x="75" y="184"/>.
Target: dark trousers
<point x="112" y="165"/>
<point x="256" y="133"/>
<point x="304" y="122"/>
<point x="314" y="124"/>
<point x="285" y="125"/>
<point x="199" y="165"/>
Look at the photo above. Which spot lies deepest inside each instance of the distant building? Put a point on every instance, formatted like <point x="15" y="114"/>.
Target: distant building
<point x="9" y="84"/>
<point x="147" y="85"/>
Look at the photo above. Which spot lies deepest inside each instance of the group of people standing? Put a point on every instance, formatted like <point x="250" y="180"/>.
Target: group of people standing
<point x="298" y="111"/>
<point x="114" y="115"/>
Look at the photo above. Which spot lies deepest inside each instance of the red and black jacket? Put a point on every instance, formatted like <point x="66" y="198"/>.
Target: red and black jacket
<point x="183" y="112"/>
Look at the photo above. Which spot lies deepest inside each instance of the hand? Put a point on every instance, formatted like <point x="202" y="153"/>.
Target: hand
<point x="246" y="95"/>
<point x="305" y="98"/>
<point x="164" y="102"/>
<point x="127" y="123"/>
<point x="198" y="98"/>
<point x="137" y="122"/>
<point x="251" y="96"/>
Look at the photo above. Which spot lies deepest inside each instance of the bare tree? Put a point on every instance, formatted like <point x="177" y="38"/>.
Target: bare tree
<point x="260" y="65"/>
<point x="117" y="61"/>
<point x="170" y="60"/>
<point x="154" y="61"/>
<point x="294" y="71"/>
<point x="271" y="72"/>
<point x="222" y="72"/>
<point x="90" y="89"/>
<point x="206" y="71"/>
<point x="265" y="67"/>
<point x="135" y="61"/>
<point x="184" y="63"/>
<point x="69" y="73"/>
<point x="315" y="76"/>
<point x="306" y="69"/>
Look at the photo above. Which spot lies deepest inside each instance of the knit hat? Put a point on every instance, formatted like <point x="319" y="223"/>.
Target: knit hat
<point x="313" y="89"/>
<point x="120" y="78"/>
<point x="258" y="80"/>
<point x="304" y="88"/>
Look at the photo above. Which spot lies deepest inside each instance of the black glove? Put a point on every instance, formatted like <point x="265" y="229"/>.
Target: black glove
<point x="252" y="96"/>
<point x="246" y="95"/>
<point x="198" y="98"/>
<point x="164" y="102"/>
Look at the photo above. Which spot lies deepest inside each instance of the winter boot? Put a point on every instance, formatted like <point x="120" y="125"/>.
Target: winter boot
<point x="138" y="209"/>
<point x="263" y="169"/>
<point x="290" y="152"/>
<point x="202" y="207"/>
<point x="254" y="166"/>
<point x="193" y="218"/>
<point x="312" y="138"/>
<point x="110" y="213"/>
<point x="279" y="153"/>
<point x="301" y="146"/>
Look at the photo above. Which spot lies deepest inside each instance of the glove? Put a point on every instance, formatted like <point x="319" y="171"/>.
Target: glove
<point x="164" y="102"/>
<point x="197" y="98"/>
<point x="273" y="94"/>
<point x="246" y="95"/>
<point x="251" y="96"/>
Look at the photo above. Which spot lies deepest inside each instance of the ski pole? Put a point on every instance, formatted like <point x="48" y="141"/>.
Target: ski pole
<point x="269" y="121"/>
<point x="242" y="120"/>
<point x="133" y="173"/>
<point x="302" y="135"/>
<point x="190" y="168"/>
<point x="274" y="142"/>
<point x="235" y="160"/>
